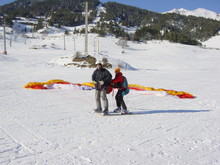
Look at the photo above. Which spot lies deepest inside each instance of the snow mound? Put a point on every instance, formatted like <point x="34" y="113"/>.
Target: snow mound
<point x="116" y="62"/>
<point x="213" y="42"/>
<point x="50" y="30"/>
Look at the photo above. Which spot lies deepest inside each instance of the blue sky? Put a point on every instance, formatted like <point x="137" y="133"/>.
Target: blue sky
<point x="2" y="2"/>
<point x="164" y="5"/>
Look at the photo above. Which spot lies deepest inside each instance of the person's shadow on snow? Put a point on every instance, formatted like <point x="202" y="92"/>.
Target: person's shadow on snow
<point x="145" y="111"/>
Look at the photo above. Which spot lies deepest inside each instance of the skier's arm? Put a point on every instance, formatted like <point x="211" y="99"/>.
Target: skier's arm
<point x="118" y="79"/>
<point x="108" y="77"/>
<point x="93" y="76"/>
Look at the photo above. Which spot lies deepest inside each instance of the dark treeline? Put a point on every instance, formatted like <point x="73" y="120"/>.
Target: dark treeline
<point x="151" y="25"/>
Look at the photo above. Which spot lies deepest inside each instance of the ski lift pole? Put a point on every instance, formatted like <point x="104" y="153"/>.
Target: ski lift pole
<point x="64" y="37"/>
<point x="94" y="44"/>
<point x="5" y="51"/>
<point x="11" y="40"/>
<point x="86" y="28"/>
<point x="74" y="40"/>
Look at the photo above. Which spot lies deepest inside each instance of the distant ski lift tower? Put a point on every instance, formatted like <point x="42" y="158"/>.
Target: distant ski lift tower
<point x="86" y="27"/>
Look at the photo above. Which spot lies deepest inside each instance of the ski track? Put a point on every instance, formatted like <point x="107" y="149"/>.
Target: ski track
<point x="34" y="144"/>
<point x="28" y="145"/>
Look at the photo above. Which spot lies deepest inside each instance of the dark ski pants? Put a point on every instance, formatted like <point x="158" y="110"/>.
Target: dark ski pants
<point x="119" y="100"/>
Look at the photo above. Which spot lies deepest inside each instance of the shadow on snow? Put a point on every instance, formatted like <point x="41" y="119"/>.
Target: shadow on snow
<point x="144" y="111"/>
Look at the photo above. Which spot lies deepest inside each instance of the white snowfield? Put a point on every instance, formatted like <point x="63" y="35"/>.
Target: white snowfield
<point x="58" y="126"/>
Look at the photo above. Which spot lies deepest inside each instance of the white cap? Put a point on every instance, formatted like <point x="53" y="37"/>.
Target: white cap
<point x="98" y="62"/>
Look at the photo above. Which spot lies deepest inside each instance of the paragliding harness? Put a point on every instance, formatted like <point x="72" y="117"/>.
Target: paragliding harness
<point x="125" y="85"/>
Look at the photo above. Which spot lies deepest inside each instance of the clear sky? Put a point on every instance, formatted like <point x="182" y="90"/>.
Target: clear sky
<point x="164" y="5"/>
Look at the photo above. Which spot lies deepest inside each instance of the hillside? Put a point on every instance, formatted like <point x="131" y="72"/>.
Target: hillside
<point x="195" y="27"/>
<point x="117" y="18"/>
<point x="69" y="11"/>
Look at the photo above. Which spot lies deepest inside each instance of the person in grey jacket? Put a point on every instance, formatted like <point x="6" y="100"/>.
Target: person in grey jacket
<point x="101" y="78"/>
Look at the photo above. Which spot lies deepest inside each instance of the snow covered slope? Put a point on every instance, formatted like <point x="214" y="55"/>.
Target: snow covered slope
<point x="200" y="12"/>
<point x="59" y="126"/>
<point x="213" y="42"/>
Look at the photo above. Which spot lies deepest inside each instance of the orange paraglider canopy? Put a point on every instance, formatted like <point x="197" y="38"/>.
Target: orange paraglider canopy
<point x="90" y="85"/>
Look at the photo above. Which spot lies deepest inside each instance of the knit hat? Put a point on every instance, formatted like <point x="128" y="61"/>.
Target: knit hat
<point x="117" y="70"/>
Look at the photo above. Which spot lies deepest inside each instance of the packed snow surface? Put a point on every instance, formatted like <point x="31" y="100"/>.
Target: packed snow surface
<point x="59" y="126"/>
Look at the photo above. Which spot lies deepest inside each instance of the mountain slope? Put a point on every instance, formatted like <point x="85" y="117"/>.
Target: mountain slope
<point x="170" y="26"/>
<point x="63" y="12"/>
<point x="46" y="7"/>
<point x="197" y="28"/>
<point x="200" y="12"/>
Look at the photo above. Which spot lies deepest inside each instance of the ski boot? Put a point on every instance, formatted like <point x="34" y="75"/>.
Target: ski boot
<point x="124" y="111"/>
<point x="98" y="110"/>
<point x="117" y="110"/>
<point x="105" y="112"/>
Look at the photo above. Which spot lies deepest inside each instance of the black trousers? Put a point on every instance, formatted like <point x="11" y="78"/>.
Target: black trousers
<point x="119" y="100"/>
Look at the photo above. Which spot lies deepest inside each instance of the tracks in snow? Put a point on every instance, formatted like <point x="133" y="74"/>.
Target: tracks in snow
<point x="28" y="145"/>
